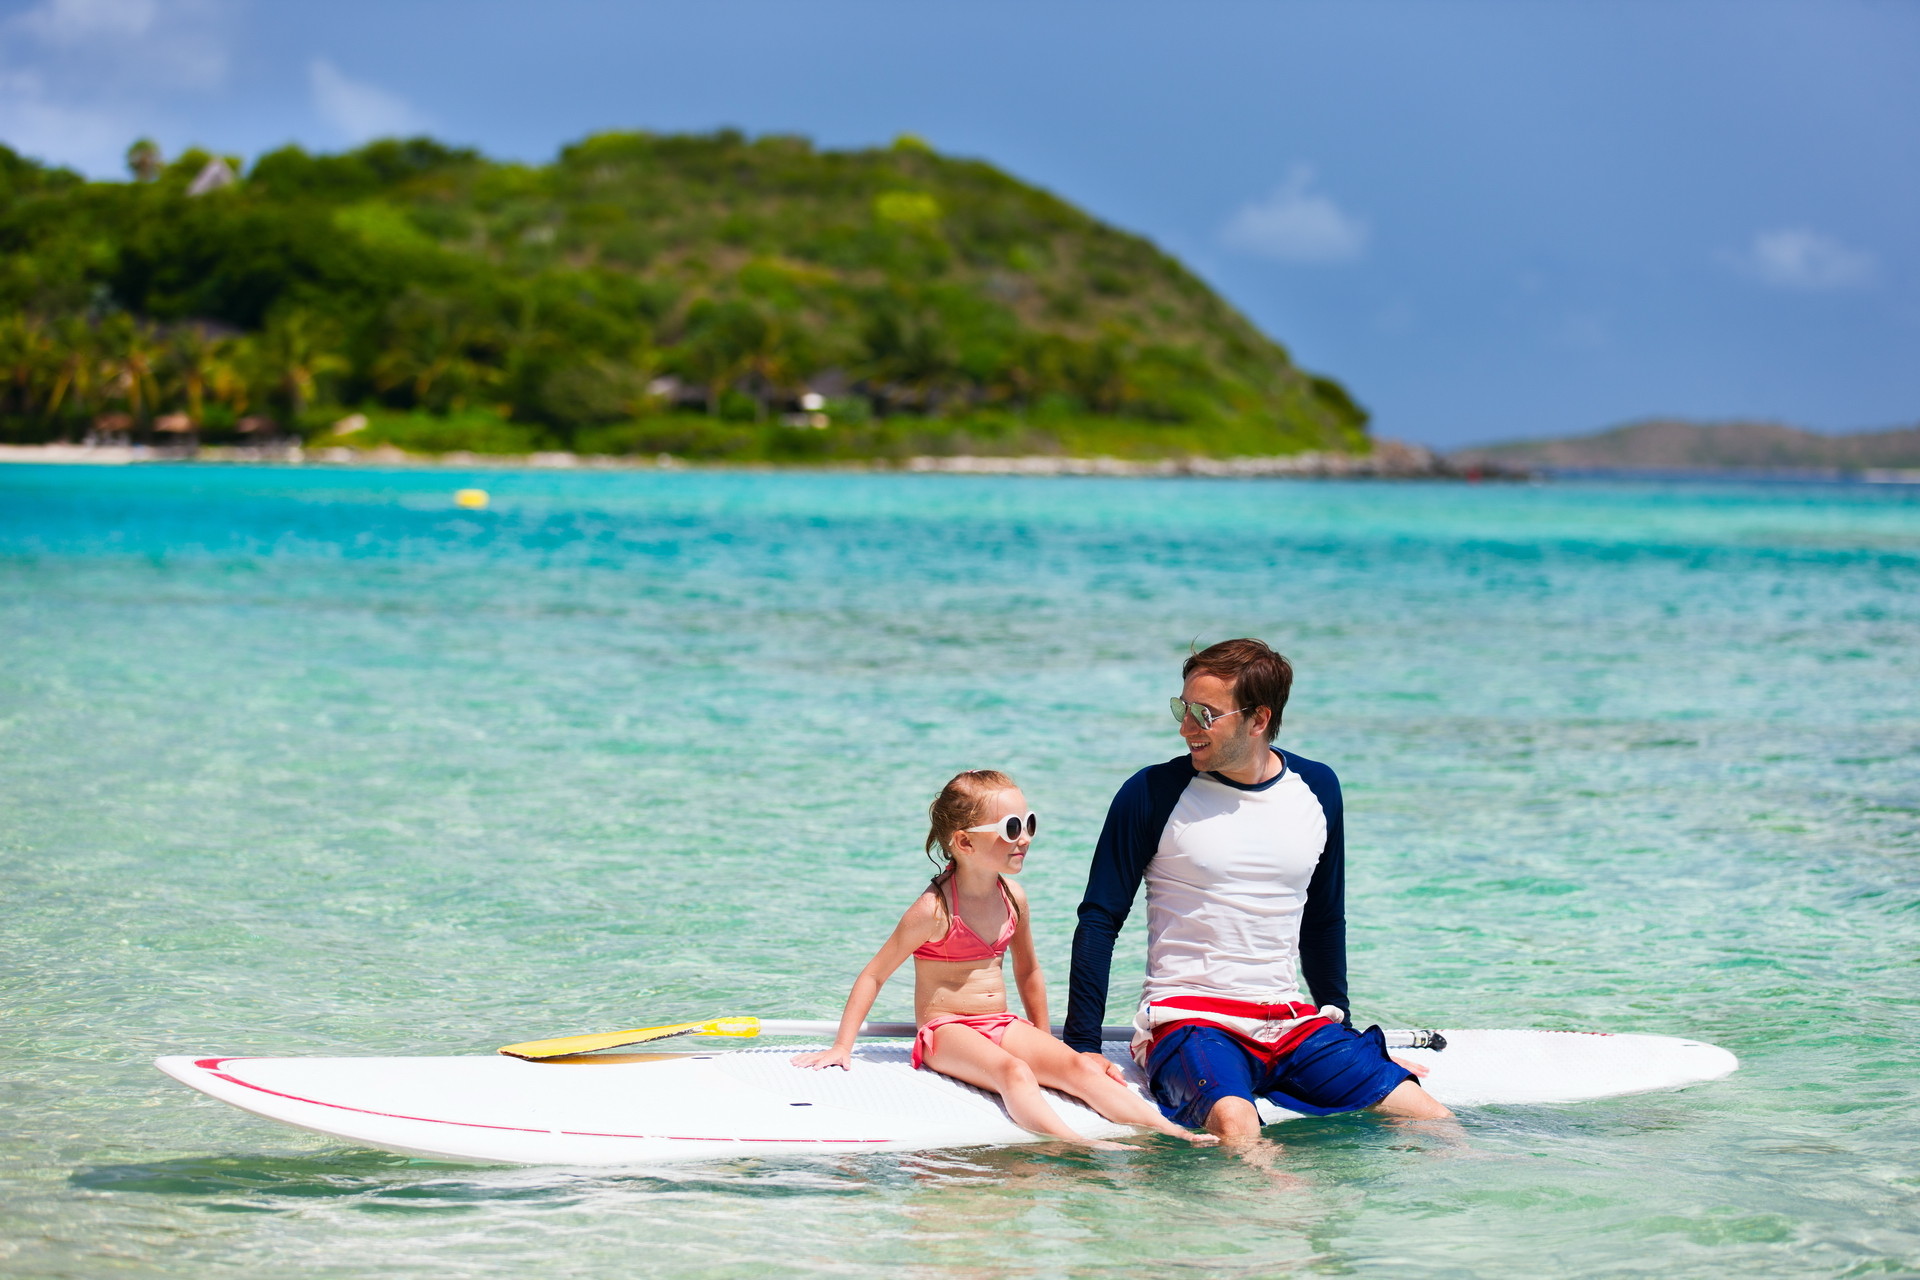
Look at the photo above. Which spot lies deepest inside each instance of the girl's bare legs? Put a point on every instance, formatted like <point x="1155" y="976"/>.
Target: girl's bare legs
<point x="967" y="1055"/>
<point x="1059" y="1067"/>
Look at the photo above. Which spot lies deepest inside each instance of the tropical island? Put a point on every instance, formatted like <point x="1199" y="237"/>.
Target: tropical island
<point x="709" y="297"/>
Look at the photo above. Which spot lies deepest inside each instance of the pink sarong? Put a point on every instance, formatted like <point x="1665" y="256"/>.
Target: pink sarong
<point x="991" y="1025"/>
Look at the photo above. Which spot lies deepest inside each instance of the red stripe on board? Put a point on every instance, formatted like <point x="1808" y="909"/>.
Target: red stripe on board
<point x="389" y="1115"/>
<point x="669" y="1137"/>
<point x="211" y="1065"/>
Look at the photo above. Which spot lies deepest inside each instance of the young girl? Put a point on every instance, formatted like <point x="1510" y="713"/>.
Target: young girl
<point x="956" y="932"/>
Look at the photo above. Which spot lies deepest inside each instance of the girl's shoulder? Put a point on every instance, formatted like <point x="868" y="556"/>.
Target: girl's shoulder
<point x="1014" y="890"/>
<point x="927" y="910"/>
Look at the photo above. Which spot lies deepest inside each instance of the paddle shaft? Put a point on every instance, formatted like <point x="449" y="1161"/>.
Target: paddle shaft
<point x="1111" y="1035"/>
<point x="883" y="1030"/>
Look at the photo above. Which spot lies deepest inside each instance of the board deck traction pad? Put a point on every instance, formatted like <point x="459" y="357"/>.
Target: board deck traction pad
<point x="699" y="1104"/>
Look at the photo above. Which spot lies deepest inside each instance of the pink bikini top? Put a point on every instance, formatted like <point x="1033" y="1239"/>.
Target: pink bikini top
<point x="961" y="942"/>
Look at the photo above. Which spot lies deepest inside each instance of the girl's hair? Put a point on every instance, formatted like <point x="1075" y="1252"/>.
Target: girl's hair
<point x="962" y="803"/>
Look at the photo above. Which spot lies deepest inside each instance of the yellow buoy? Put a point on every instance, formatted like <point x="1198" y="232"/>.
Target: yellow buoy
<point x="475" y="499"/>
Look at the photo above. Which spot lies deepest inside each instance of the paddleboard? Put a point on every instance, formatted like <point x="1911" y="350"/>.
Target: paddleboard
<point x="650" y="1108"/>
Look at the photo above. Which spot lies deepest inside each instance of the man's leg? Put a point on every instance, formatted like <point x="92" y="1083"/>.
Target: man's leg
<point x="1411" y="1101"/>
<point x="1234" y="1121"/>
<point x="1203" y="1076"/>
<point x="1338" y="1069"/>
<point x="1193" y="1070"/>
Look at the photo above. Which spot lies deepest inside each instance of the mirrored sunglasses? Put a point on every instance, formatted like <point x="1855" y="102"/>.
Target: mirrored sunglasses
<point x="1202" y="716"/>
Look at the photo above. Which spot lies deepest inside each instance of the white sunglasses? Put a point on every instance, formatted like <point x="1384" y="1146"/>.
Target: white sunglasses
<point x="1009" y="827"/>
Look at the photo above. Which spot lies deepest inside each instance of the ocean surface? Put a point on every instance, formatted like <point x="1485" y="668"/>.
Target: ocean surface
<point x="315" y="762"/>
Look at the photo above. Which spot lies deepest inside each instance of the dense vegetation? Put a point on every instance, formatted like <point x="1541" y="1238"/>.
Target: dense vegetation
<point x="700" y="295"/>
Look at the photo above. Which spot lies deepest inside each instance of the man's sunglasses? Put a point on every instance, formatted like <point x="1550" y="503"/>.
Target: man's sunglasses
<point x="1202" y="716"/>
<point x="1010" y="827"/>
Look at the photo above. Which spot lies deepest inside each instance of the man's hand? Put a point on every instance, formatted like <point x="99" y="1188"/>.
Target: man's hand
<point x="1113" y="1068"/>
<point x="1418" y="1068"/>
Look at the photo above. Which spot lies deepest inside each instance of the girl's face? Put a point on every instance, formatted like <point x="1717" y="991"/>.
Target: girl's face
<point x="991" y="851"/>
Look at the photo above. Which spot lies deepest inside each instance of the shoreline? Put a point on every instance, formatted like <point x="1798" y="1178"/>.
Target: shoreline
<point x="1390" y="460"/>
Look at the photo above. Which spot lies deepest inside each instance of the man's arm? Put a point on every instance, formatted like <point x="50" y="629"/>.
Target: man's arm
<point x="1127" y="843"/>
<point x="1323" y="921"/>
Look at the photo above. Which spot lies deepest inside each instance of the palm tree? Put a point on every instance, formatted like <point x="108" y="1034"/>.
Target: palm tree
<point x="779" y="358"/>
<point x="132" y="365"/>
<point x="910" y="351"/>
<point x="294" y="353"/>
<point x="431" y="350"/>
<point x="720" y="346"/>
<point x="27" y="361"/>
<point x="76" y="368"/>
<point x="231" y="375"/>
<point x="145" y="160"/>
<point x="191" y="361"/>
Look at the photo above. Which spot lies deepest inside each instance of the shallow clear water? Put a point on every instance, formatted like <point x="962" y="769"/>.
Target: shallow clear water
<point x="313" y="762"/>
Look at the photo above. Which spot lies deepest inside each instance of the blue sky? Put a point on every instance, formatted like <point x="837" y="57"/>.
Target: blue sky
<point x="1490" y="220"/>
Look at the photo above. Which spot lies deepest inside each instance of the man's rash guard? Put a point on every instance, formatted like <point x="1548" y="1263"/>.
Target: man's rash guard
<point x="1246" y="890"/>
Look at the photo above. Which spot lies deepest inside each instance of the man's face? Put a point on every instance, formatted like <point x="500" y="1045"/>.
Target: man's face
<point x="1233" y="742"/>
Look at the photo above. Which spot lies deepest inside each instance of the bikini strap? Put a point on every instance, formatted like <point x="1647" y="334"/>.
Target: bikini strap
<point x="949" y="906"/>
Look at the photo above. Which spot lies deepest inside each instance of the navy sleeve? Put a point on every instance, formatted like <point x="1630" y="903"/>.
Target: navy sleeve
<point x="1135" y="820"/>
<point x="1323" y="922"/>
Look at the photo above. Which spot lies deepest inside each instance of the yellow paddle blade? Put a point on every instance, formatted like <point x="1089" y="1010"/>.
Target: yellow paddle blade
<point x="560" y="1047"/>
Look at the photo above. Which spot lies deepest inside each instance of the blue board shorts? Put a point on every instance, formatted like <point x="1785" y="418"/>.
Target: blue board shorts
<point x="1333" y="1070"/>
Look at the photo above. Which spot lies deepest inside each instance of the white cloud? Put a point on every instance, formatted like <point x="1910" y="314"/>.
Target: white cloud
<point x="360" y="111"/>
<point x="80" y="79"/>
<point x="1796" y="258"/>
<point x="1297" y="224"/>
<point x="37" y="125"/>
<point x="72" y="22"/>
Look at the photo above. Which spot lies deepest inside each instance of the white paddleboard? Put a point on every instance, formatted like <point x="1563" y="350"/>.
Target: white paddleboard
<point x="648" y="1108"/>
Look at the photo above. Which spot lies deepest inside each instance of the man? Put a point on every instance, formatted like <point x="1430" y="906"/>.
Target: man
<point x="1243" y="851"/>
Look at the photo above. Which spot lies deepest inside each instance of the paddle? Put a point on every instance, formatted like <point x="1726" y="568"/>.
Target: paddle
<point x="565" y="1046"/>
<point x="562" y="1046"/>
<point x="744" y="1026"/>
<point x="739" y="1025"/>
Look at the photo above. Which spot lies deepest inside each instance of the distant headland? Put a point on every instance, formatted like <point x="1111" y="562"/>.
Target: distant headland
<point x="1675" y="445"/>
<point x="708" y="298"/>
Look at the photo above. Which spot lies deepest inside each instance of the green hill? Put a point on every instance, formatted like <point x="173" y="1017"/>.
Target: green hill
<point x="700" y="295"/>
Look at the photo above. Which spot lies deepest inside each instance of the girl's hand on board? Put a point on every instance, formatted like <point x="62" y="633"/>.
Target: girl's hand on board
<point x="835" y="1057"/>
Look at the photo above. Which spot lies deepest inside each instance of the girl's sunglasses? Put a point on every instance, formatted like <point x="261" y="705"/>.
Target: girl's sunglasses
<point x="1202" y="716"/>
<point x="1009" y="827"/>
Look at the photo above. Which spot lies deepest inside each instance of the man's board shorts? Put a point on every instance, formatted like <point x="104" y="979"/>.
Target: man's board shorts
<point x="1335" y="1069"/>
<point x="991" y="1025"/>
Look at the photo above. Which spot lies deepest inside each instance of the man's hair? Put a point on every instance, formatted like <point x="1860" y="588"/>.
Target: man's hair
<point x="1259" y="676"/>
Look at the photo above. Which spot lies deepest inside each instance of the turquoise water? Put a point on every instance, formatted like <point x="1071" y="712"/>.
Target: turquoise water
<point x="310" y="761"/>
